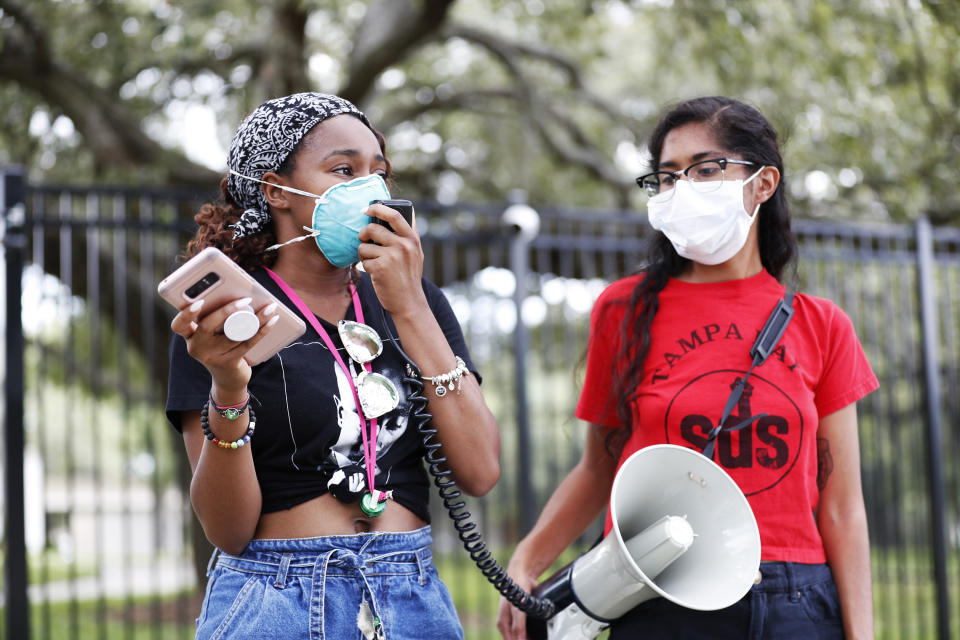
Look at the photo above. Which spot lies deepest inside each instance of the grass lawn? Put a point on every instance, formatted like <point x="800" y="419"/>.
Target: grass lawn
<point x="166" y="618"/>
<point x="903" y="593"/>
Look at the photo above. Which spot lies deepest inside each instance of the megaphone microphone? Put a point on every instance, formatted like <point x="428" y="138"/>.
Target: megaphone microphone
<point x="682" y="530"/>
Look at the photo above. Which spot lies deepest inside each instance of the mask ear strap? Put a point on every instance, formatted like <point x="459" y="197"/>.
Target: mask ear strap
<point x="313" y="233"/>
<point x="278" y="186"/>
<point x="747" y="181"/>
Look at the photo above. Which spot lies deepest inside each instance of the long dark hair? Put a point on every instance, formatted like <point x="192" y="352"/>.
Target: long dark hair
<point x="740" y="129"/>
<point x="215" y="219"/>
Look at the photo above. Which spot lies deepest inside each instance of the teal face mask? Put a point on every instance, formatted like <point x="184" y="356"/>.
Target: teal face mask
<point x="339" y="215"/>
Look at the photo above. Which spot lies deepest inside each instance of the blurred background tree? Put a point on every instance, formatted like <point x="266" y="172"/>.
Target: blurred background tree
<point x="478" y="98"/>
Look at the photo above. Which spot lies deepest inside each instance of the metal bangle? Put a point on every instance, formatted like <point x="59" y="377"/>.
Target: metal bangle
<point x="447" y="380"/>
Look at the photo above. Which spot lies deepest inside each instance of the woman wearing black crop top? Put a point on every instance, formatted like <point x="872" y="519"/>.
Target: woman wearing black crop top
<point x="321" y="512"/>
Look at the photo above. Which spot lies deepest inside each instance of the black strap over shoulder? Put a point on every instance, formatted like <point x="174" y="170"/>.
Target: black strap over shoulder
<point x="764" y="345"/>
<point x="773" y="330"/>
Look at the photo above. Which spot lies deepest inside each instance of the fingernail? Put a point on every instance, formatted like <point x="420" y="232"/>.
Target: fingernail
<point x="197" y="305"/>
<point x="272" y="321"/>
<point x="194" y="326"/>
<point x="244" y="302"/>
<point x="271" y="309"/>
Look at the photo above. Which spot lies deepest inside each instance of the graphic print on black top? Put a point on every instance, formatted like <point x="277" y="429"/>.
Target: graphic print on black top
<point x="771" y="442"/>
<point x="308" y="429"/>
<point x="345" y="464"/>
<point x="322" y="427"/>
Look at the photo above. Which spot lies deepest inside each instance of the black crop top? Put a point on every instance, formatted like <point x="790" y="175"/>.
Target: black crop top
<point x="308" y="439"/>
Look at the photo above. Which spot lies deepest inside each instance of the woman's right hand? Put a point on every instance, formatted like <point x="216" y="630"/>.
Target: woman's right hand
<point x="511" y="622"/>
<point x="203" y="331"/>
<point x="575" y="503"/>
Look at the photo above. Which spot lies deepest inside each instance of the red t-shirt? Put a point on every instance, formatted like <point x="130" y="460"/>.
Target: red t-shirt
<point x="701" y="340"/>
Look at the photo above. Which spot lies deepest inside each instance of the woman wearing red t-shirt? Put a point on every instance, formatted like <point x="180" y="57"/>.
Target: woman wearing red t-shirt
<point x="665" y="347"/>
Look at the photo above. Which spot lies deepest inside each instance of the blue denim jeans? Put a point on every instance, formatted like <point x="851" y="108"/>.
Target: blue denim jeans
<point x="792" y="601"/>
<point x="313" y="588"/>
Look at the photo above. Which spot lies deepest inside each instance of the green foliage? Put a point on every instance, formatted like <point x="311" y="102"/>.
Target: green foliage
<point x="555" y="98"/>
<point x="865" y="91"/>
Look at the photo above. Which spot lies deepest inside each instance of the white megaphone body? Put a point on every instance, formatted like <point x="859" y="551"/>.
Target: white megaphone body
<point x="682" y="530"/>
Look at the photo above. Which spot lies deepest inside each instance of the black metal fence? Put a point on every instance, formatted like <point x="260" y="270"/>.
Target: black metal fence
<point x="99" y="537"/>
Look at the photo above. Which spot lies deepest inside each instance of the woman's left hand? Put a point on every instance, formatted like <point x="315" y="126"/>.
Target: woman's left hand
<point x="394" y="260"/>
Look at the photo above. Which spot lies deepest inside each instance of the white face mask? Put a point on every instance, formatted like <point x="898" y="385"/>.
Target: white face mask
<point x="708" y="228"/>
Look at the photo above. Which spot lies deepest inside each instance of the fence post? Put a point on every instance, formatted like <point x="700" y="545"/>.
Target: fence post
<point x="523" y="224"/>
<point x="931" y="369"/>
<point x="14" y="249"/>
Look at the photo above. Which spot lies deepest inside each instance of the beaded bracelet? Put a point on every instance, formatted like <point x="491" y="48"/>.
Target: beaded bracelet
<point x="236" y="444"/>
<point x="445" y="381"/>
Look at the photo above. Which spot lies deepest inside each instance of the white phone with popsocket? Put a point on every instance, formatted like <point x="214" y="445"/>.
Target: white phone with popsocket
<point x="217" y="279"/>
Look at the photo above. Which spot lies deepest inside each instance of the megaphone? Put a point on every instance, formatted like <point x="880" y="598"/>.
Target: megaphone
<point x="682" y="530"/>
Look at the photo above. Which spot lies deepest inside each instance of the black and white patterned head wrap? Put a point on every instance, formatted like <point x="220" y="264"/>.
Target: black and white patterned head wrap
<point x="263" y="142"/>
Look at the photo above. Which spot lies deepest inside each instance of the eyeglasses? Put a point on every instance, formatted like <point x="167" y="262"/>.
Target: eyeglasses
<point x="704" y="176"/>
<point x="377" y="393"/>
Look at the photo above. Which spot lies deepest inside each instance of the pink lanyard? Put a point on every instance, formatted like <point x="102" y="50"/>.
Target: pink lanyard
<point x="369" y="442"/>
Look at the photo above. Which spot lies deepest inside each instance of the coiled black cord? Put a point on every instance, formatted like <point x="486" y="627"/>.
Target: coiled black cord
<point x="467" y="531"/>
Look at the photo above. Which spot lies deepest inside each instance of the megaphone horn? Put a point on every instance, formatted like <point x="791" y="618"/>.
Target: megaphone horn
<point x="682" y="530"/>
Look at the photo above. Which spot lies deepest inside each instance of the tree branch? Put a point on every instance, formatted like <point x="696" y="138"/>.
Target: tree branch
<point x="474" y="100"/>
<point x="252" y="52"/>
<point x="112" y="135"/>
<point x="284" y="68"/>
<point x="36" y="38"/>
<point x="585" y="156"/>
<point x="390" y="30"/>
<point x="507" y="52"/>
<point x="582" y="153"/>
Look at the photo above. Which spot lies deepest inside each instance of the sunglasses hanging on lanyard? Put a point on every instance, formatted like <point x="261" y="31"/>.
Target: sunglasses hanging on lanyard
<point x="374" y="394"/>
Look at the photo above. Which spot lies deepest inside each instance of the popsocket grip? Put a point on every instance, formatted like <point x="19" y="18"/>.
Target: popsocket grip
<point x="241" y="325"/>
